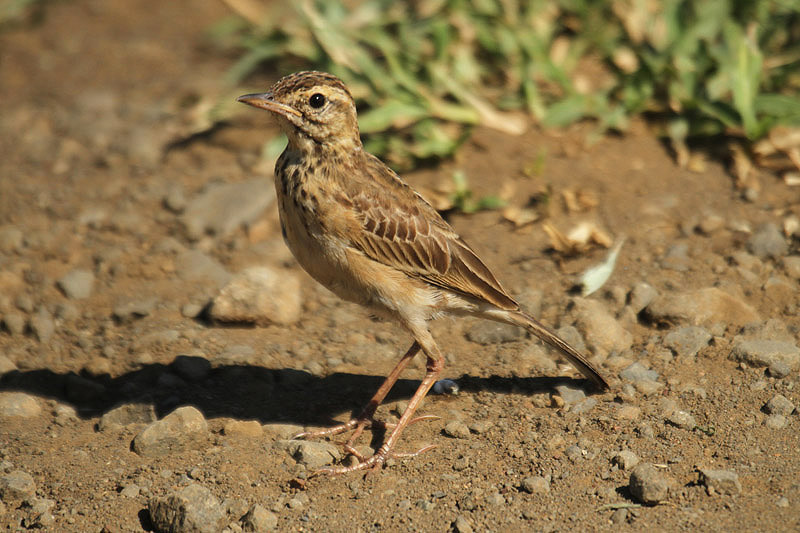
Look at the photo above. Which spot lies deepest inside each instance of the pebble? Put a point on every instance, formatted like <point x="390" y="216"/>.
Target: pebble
<point x="779" y="405"/>
<point x="720" y="481"/>
<point x="703" y="307"/>
<point x="687" y="341"/>
<point x="767" y="241"/>
<point x="194" y="265"/>
<point x="16" y="486"/>
<point x="638" y="372"/>
<point x="570" y="395"/>
<point x="485" y="332"/>
<point x="259" y="519"/>
<point x="640" y="297"/>
<point x="130" y="490"/>
<point x="462" y="525"/>
<point x="77" y="284"/>
<point x="764" y="352"/>
<point x="457" y="429"/>
<point x="584" y="406"/>
<point x="260" y="295"/>
<point x="603" y="333"/>
<point x="126" y="415"/>
<point x="130" y="310"/>
<point x="312" y="454"/>
<point x="42" y="325"/>
<point x="682" y="419"/>
<point x="625" y="459"/>
<point x="64" y="415"/>
<point x="223" y="207"/>
<point x="649" y="485"/>
<point x="242" y="428"/>
<point x="776" y="421"/>
<point x="536" y="484"/>
<point x="18" y="404"/>
<point x="282" y="431"/>
<point x="191" y="509"/>
<point x="192" y="368"/>
<point x="182" y="429"/>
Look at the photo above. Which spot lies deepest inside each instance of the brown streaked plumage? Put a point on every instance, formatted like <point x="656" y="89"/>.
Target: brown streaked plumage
<point x="363" y="233"/>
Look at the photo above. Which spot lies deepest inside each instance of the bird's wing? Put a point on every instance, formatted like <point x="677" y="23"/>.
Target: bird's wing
<point x="399" y="228"/>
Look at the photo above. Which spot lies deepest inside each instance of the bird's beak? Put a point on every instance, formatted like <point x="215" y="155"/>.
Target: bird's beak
<point x="265" y="101"/>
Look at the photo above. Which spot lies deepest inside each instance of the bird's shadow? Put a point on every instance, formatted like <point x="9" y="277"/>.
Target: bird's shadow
<point x="244" y="392"/>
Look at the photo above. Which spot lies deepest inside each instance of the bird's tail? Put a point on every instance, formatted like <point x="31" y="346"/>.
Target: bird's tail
<point x="526" y="321"/>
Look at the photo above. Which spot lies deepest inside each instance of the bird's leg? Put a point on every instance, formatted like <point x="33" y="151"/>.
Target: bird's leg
<point x="434" y="367"/>
<point x="365" y="419"/>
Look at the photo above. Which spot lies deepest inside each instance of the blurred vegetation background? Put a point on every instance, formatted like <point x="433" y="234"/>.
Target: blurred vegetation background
<point x="424" y="72"/>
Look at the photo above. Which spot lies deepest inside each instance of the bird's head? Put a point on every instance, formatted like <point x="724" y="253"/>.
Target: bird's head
<point x="312" y="108"/>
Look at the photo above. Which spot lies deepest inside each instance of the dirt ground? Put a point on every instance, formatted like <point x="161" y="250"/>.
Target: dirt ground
<point x="92" y="93"/>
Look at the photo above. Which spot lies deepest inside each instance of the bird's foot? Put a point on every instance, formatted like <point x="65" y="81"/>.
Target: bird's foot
<point x="373" y="463"/>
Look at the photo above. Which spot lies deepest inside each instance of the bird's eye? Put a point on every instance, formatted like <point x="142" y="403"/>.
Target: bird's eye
<point x="316" y="101"/>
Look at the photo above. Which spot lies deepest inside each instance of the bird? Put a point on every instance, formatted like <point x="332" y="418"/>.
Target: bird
<point x="362" y="232"/>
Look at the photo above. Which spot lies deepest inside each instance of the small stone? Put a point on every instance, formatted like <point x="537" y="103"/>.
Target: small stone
<point x="223" y="208"/>
<point x="584" y="406"/>
<point x="776" y="421"/>
<point x="182" y="429"/>
<point x="313" y="454"/>
<point x="480" y="426"/>
<point x="649" y="485"/>
<point x="16" y="486"/>
<point x="18" y="404"/>
<point x="703" y="307"/>
<point x="570" y="395"/>
<point x="720" y="481"/>
<point x="777" y="369"/>
<point x="638" y="372"/>
<point x="641" y="296"/>
<point x="462" y="525"/>
<point x="779" y="405"/>
<point x="130" y="491"/>
<point x="791" y="265"/>
<point x="65" y="415"/>
<point x="242" y="428"/>
<point x="457" y="429"/>
<point x="134" y="309"/>
<point x="767" y="241"/>
<point x="282" y="431"/>
<point x="628" y="412"/>
<point x="485" y="333"/>
<point x="687" y="341"/>
<point x="619" y="516"/>
<point x="259" y="519"/>
<point x="782" y="502"/>
<point x="682" y="419"/>
<point x="193" y="509"/>
<point x="126" y="415"/>
<point x="77" y="284"/>
<point x="536" y="485"/>
<point x="603" y="333"/>
<point x="192" y="368"/>
<point x="767" y="353"/>
<point x="42" y="325"/>
<point x="259" y="295"/>
<point x="625" y="459"/>
<point x="194" y="265"/>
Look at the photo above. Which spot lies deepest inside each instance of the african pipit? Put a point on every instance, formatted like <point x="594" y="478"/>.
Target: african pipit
<point x="357" y="228"/>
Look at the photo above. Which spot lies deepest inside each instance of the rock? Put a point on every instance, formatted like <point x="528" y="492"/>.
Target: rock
<point x="126" y="415"/>
<point x="65" y="415"/>
<point x="193" y="509"/>
<point x="42" y="325"/>
<point x="456" y="429"/>
<point x="758" y="353"/>
<point x="259" y="519"/>
<point x="570" y="395"/>
<point x="638" y="372"/>
<point x="779" y="405"/>
<point x="584" y="406"/>
<point x="462" y="525"/>
<point x="77" y="284"/>
<point x="222" y="208"/>
<point x="192" y="368"/>
<point x="641" y="296"/>
<point x="625" y="459"/>
<point x="16" y="486"/>
<point x="18" y="404"/>
<point x="134" y="309"/>
<point x="194" y="265"/>
<point x="767" y="242"/>
<point x="687" y="341"/>
<point x="259" y="295"/>
<point x="486" y="332"/>
<point x="603" y="333"/>
<point x="242" y="428"/>
<point x="703" y="307"/>
<point x="776" y="422"/>
<point x="536" y="485"/>
<point x="182" y="429"/>
<point x="312" y="454"/>
<point x="682" y="419"/>
<point x="282" y="431"/>
<point x="720" y="481"/>
<point x="649" y="485"/>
